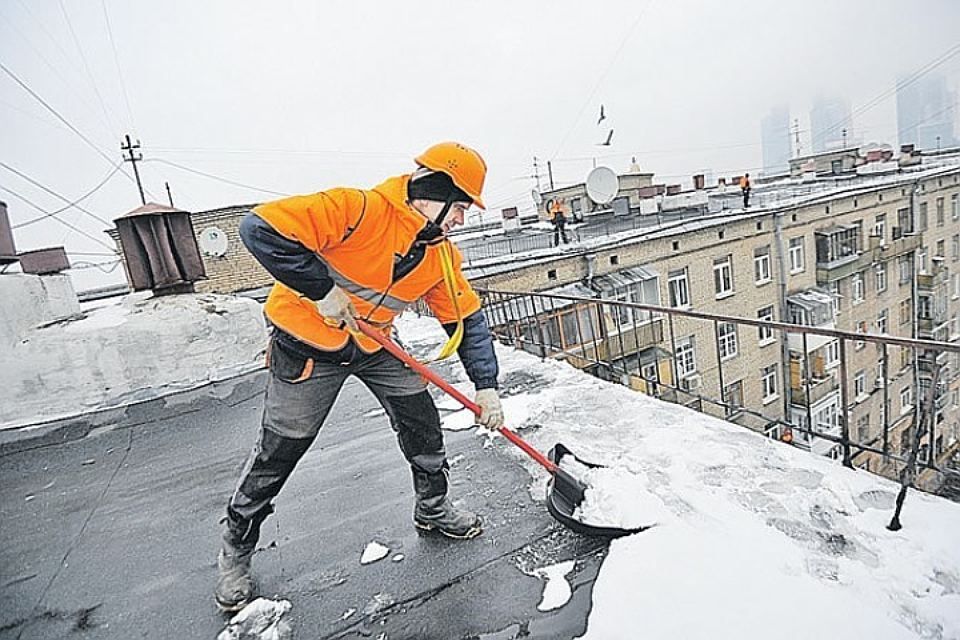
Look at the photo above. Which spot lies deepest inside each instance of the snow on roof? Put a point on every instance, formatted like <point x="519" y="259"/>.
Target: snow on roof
<point x="755" y="538"/>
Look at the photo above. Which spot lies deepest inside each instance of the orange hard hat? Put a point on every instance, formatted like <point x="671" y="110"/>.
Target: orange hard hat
<point x="464" y="166"/>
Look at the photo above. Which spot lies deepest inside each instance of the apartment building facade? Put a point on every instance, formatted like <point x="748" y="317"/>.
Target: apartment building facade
<point x="879" y="258"/>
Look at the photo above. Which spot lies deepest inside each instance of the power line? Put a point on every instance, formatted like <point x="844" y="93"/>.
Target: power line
<point x="57" y="195"/>
<point x="902" y="84"/>
<point x="71" y="204"/>
<point x="603" y="77"/>
<point x="116" y="60"/>
<point x="83" y="58"/>
<point x="218" y="178"/>
<point x="59" y="117"/>
<point x="63" y="222"/>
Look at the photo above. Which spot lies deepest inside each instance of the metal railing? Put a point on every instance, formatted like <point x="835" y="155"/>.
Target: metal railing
<point x="691" y="357"/>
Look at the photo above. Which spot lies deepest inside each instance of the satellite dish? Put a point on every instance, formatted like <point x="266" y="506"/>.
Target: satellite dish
<point x="537" y="198"/>
<point x="602" y="185"/>
<point x="213" y="242"/>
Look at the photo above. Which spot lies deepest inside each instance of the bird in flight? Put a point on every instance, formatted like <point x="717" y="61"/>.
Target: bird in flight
<point x="603" y="116"/>
<point x="606" y="143"/>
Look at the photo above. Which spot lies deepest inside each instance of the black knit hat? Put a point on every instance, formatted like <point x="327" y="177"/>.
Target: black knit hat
<point x="436" y="186"/>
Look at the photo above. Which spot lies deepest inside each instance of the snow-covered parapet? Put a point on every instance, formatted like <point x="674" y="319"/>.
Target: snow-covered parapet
<point x="753" y="538"/>
<point x="137" y="348"/>
<point x="27" y="301"/>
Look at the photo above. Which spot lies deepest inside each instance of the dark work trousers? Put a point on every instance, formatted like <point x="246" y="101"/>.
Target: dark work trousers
<point x="559" y="231"/>
<point x="300" y="392"/>
<point x="746" y="197"/>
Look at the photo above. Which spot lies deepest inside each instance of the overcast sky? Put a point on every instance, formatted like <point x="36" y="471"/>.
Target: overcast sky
<point x="294" y="97"/>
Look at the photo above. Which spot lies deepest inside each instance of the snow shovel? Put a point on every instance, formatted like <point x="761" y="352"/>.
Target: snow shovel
<point x="564" y="492"/>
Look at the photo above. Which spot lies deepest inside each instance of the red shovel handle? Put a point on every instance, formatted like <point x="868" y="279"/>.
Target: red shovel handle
<point x="432" y="376"/>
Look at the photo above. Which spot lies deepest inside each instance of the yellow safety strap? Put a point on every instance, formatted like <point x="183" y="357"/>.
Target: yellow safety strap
<point x="450" y="279"/>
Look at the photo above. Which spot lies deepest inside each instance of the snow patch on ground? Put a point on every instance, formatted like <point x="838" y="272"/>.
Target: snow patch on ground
<point x="374" y="551"/>
<point x="556" y="589"/>
<point x="755" y="538"/>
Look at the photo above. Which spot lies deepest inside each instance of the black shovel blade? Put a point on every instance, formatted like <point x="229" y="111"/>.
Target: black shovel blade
<point x="565" y="495"/>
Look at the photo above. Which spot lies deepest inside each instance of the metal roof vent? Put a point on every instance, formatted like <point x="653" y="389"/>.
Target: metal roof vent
<point x="8" y="250"/>
<point x="160" y="249"/>
<point x="44" y="262"/>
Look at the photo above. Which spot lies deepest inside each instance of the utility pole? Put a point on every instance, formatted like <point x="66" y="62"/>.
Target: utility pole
<point x="550" y="167"/>
<point x="796" y="133"/>
<point x="169" y="197"/>
<point x="536" y="173"/>
<point x="844" y="137"/>
<point x="133" y="159"/>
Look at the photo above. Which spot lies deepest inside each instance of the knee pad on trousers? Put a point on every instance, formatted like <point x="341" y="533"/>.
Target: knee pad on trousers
<point x="274" y="460"/>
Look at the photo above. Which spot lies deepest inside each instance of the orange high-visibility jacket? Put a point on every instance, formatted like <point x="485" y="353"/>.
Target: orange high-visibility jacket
<point x="357" y="234"/>
<point x="744" y="182"/>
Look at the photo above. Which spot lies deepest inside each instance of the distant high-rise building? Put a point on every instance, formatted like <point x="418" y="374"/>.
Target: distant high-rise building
<point x="925" y="111"/>
<point x="775" y="139"/>
<point x="831" y="126"/>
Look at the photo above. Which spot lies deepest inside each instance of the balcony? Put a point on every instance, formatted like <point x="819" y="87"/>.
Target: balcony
<point x="819" y="389"/>
<point x="875" y="252"/>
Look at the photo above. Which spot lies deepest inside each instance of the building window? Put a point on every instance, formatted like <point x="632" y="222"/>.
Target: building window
<point x="922" y="259"/>
<point x="956" y="286"/>
<point x="881" y="272"/>
<point x="686" y="358"/>
<point x="551" y="274"/>
<point x="906" y="400"/>
<point x="857" y="287"/>
<point x="861" y="328"/>
<point x="906" y="269"/>
<point x="733" y="398"/>
<point x="834" y="289"/>
<point x="904" y="221"/>
<point x="940" y="220"/>
<point x="679" y="289"/>
<point x="644" y="292"/>
<point x="883" y="322"/>
<point x="955" y="206"/>
<point x="923" y="216"/>
<point x="955" y="247"/>
<point x="832" y="353"/>
<point x="796" y="254"/>
<point x="761" y="265"/>
<point x="727" y="340"/>
<point x="768" y="378"/>
<point x="765" y="334"/>
<point x="906" y="312"/>
<point x="880" y="228"/>
<point x="941" y="249"/>
<point x="860" y="384"/>
<point x="723" y="276"/>
<point x="863" y="430"/>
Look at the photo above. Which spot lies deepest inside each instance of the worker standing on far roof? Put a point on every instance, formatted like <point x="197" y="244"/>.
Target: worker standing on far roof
<point x="337" y="256"/>
<point x="559" y="222"/>
<point x="745" y="188"/>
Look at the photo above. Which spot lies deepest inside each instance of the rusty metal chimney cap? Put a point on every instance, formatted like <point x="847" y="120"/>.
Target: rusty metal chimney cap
<point x="150" y="209"/>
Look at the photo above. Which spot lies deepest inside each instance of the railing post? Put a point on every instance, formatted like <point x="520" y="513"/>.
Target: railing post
<point x="845" y="415"/>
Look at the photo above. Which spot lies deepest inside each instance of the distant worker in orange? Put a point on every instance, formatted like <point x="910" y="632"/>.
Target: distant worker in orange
<point x="745" y="188"/>
<point x="559" y="222"/>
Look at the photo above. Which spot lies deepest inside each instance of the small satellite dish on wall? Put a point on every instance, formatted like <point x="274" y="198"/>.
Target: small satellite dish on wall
<point x="602" y="185"/>
<point x="537" y="198"/>
<point x="213" y="242"/>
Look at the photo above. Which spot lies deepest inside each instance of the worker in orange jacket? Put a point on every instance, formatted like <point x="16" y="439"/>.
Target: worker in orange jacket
<point x="337" y="256"/>
<point x="745" y="189"/>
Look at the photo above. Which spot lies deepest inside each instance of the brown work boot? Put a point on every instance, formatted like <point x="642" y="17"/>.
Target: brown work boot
<point x="440" y="515"/>
<point x="235" y="586"/>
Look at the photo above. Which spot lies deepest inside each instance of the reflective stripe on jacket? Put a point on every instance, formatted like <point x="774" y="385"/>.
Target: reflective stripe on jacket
<point x="351" y="238"/>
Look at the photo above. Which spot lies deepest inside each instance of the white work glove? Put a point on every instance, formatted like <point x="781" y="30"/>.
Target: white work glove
<point x="337" y="309"/>
<point x="491" y="413"/>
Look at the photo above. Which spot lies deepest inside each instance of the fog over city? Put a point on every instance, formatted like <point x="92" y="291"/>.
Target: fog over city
<point x="292" y="97"/>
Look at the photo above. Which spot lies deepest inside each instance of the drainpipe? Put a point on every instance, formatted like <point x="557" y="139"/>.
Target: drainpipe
<point x="782" y="287"/>
<point x="591" y="260"/>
